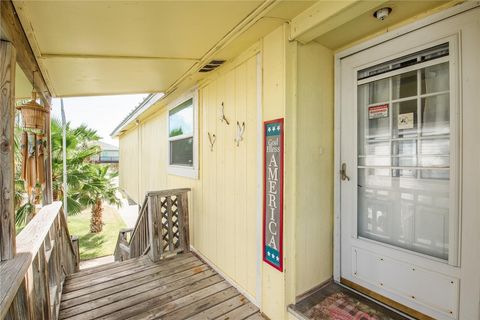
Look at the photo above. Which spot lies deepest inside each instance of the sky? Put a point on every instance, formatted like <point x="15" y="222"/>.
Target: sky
<point x="101" y="113"/>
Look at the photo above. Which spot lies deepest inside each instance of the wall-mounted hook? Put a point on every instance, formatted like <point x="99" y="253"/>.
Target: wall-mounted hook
<point x="223" y="118"/>
<point x="240" y="132"/>
<point x="212" y="138"/>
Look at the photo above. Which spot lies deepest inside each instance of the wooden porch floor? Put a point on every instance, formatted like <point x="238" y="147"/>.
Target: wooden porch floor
<point x="182" y="287"/>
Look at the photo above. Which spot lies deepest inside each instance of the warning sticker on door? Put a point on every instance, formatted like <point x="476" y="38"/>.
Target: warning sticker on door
<point x="376" y="112"/>
<point x="405" y="121"/>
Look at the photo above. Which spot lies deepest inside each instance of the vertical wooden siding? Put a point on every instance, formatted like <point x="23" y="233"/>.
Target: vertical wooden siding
<point x="314" y="171"/>
<point x="128" y="165"/>
<point x="223" y="202"/>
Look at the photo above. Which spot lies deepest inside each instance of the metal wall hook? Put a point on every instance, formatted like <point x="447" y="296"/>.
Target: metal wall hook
<point x="223" y="118"/>
<point x="240" y="132"/>
<point x="212" y="138"/>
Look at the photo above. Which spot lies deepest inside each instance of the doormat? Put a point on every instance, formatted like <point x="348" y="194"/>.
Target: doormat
<point x="334" y="302"/>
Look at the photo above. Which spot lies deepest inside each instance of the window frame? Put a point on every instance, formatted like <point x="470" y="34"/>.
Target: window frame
<point x="180" y="170"/>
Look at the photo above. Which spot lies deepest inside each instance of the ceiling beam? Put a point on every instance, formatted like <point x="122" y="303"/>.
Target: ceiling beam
<point x="325" y="16"/>
<point x="12" y="31"/>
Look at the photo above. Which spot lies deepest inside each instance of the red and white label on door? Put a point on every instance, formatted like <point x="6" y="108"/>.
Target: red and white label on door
<point x="380" y="111"/>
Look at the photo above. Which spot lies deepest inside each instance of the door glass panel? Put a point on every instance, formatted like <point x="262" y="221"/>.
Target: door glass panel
<point x="404" y="85"/>
<point x="436" y="115"/>
<point x="379" y="91"/>
<point x="404" y="160"/>
<point x="435" y="78"/>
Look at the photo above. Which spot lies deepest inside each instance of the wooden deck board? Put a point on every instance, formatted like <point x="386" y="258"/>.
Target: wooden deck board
<point x="149" y="272"/>
<point x="177" y="288"/>
<point x="221" y="308"/>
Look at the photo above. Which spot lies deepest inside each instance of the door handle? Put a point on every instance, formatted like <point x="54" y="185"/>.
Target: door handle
<point x="343" y="172"/>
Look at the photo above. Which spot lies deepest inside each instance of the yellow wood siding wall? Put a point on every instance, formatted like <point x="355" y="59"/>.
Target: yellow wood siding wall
<point x="314" y="170"/>
<point x="128" y="164"/>
<point x="227" y="228"/>
<point x="223" y="202"/>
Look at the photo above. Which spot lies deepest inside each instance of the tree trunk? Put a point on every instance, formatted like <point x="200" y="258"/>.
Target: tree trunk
<point x="96" y="223"/>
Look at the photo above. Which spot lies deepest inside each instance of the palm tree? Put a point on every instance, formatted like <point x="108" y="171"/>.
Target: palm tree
<point x="89" y="184"/>
<point x="100" y="189"/>
<point x="80" y="147"/>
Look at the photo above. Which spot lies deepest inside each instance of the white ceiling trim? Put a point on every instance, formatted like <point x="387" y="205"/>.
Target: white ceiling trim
<point x="102" y="56"/>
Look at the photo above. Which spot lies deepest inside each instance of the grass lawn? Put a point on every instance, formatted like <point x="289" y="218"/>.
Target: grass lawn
<point x="100" y="244"/>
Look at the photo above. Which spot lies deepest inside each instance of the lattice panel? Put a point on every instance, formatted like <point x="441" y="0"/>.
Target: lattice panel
<point x="170" y="223"/>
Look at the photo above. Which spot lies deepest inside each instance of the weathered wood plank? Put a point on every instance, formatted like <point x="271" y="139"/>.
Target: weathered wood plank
<point x="120" y="289"/>
<point x="20" y="307"/>
<point x="108" y="266"/>
<point x="147" y="300"/>
<point x="123" y="271"/>
<point x="221" y="308"/>
<point x="256" y="316"/>
<point x="7" y="165"/>
<point x="33" y="235"/>
<point x="154" y="222"/>
<point x="242" y="312"/>
<point x="168" y="193"/>
<point x="12" y="273"/>
<point x="197" y="306"/>
<point x="41" y="306"/>
<point x="184" y="222"/>
<point x="163" y="308"/>
<point x="164" y="284"/>
<point x="67" y="240"/>
<point x="119" y="281"/>
<point x="73" y="286"/>
<point x="140" y="263"/>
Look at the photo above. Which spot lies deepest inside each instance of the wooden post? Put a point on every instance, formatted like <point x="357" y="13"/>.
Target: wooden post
<point x="7" y="150"/>
<point x="154" y="221"/>
<point x="183" y="221"/>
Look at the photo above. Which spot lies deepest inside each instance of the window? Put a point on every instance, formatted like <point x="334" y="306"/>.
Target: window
<point x="182" y="138"/>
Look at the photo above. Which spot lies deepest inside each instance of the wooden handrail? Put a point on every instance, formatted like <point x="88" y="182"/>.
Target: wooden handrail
<point x="32" y="281"/>
<point x="138" y="223"/>
<point x="161" y="228"/>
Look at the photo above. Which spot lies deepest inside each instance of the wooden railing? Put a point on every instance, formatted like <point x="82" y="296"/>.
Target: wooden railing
<point x="31" y="282"/>
<point x="162" y="227"/>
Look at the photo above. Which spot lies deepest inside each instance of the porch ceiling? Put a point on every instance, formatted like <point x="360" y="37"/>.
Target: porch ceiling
<point x="365" y="24"/>
<point x="112" y="47"/>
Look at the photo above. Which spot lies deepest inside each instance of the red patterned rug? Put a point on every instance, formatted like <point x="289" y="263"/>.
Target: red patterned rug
<point x="335" y="303"/>
<point x="340" y="306"/>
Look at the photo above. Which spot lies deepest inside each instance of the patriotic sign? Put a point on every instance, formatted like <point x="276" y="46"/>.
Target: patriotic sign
<point x="273" y="194"/>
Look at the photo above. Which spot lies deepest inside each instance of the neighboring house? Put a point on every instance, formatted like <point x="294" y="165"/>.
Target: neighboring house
<point x="109" y="154"/>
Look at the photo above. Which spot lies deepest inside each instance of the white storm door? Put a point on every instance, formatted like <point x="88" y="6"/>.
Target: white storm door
<point x="400" y="162"/>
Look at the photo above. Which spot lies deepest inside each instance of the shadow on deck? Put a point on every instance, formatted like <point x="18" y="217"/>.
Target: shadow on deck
<point x="181" y="287"/>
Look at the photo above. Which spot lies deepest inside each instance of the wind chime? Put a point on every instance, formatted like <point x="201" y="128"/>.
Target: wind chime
<point x="33" y="146"/>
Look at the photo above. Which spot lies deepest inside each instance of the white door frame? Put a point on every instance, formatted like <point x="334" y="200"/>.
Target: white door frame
<point x="338" y="101"/>
<point x="337" y="132"/>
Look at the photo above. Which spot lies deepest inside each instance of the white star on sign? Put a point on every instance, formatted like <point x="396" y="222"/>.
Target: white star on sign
<point x="278" y="259"/>
<point x="278" y="128"/>
<point x="269" y="129"/>
<point x="268" y="254"/>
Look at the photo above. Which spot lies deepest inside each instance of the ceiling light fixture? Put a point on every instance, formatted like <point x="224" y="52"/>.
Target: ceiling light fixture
<point x="382" y="13"/>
